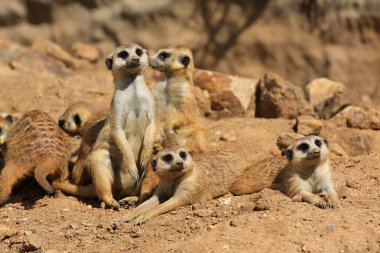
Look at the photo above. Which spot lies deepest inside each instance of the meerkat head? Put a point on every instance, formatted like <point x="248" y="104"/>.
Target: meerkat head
<point x="128" y="59"/>
<point x="173" y="60"/>
<point x="5" y="127"/>
<point x="75" y="116"/>
<point x="310" y="149"/>
<point x="173" y="162"/>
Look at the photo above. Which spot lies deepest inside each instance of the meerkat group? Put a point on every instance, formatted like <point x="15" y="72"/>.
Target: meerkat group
<point x="150" y="148"/>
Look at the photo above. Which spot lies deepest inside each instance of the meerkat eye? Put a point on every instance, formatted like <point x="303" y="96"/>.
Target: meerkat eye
<point x="167" y="158"/>
<point x="318" y="143"/>
<point x="139" y="52"/>
<point x="163" y="56"/>
<point x="185" y="61"/>
<point x="303" y="147"/>
<point x="183" y="155"/>
<point x="77" y="120"/>
<point x="123" y="55"/>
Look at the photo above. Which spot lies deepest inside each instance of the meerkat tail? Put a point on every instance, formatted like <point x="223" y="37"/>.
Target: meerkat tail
<point x="86" y="191"/>
<point x="41" y="172"/>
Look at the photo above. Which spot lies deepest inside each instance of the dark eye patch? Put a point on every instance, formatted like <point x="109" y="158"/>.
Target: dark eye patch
<point x="167" y="158"/>
<point x="185" y="61"/>
<point x="183" y="155"/>
<point x="303" y="147"/>
<point x="139" y="52"/>
<point x="318" y="143"/>
<point x="1" y="131"/>
<point x="77" y="120"/>
<point x="163" y="55"/>
<point x="123" y="55"/>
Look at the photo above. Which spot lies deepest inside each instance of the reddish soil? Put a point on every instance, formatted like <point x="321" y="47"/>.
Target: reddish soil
<point x="263" y="222"/>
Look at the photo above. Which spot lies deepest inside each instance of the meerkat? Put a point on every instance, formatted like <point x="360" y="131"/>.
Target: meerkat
<point x="124" y="145"/>
<point x="182" y="182"/>
<point x="5" y="127"/>
<point x="35" y="146"/>
<point x="75" y="117"/>
<point x="176" y="105"/>
<point x="308" y="172"/>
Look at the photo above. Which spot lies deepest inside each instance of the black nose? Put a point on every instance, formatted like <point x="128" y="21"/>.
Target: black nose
<point x="317" y="151"/>
<point x="61" y="122"/>
<point x="180" y="164"/>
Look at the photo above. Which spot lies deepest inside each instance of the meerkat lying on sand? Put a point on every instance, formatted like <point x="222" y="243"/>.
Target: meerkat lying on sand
<point x="35" y="146"/>
<point x="182" y="182"/>
<point x="309" y="173"/>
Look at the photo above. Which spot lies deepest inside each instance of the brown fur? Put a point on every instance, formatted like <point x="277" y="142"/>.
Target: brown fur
<point x="308" y="173"/>
<point x="76" y="116"/>
<point x="124" y="144"/>
<point x="214" y="175"/>
<point x="176" y="106"/>
<point x="35" y="145"/>
<point x="91" y="130"/>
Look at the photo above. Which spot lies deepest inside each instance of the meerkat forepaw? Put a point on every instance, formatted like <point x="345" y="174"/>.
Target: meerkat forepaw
<point x="321" y="204"/>
<point x="132" y="169"/>
<point x="110" y="204"/>
<point x="129" y="201"/>
<point x="332" y="203"/>
<point x="138" y="221"/>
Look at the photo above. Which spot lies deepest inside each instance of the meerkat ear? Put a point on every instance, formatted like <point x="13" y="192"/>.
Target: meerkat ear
<point x="326" y="142"/>
<point x="77" y="120"/>
<point x="109" y="63"/>
<point x="9" y="118"/>
<point x="185" y="61"/>
<point x="154" y="164"/>
<point x="289" y="154"/>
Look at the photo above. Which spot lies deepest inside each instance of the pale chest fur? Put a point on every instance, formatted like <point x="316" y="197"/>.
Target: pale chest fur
<point x="319" y="179"/>
<point x="170" y="97"/>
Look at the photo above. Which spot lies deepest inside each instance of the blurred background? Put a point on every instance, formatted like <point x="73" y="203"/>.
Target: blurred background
<point x="297" y="39"/>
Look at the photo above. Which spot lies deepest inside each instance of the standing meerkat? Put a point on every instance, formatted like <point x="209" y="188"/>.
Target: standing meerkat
<point x="35" y="145"/>
<point x="308" y="172"/>
<point x="177" y="108"/>
<point x="76" y="116"/>
<point x="182" y="182"/>
<point x="124" y="145"/>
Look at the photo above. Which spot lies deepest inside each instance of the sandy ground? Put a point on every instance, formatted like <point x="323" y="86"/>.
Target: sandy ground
<point x="263" y="222"/>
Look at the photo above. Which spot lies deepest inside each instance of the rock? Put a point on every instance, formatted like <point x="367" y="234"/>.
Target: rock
<point x="55" y="51"/>
<point x="307" y="125"/>
<point x="203" y="213"/>
<point x="231" y="93"/>
<point x="354" y="141"/>
<point x="336" y="149"/>
<point x="321" y="89"/>
<point x="364" y="117"/>
<point x="6" y="232"/>
<point x="39" y="11"/>
<point x="280" y="99"/>
<point x="85" y="51"/>
<point x="226" y="201"/>
<point x="11" y="12"/>
<point x="33" y="242"/>
<point x="5" y="69"/>
<point x="30" y="62"/>
<point x="329" y="98"/>
<point x="233" y="223"/>
<point x="286" y="139"/>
